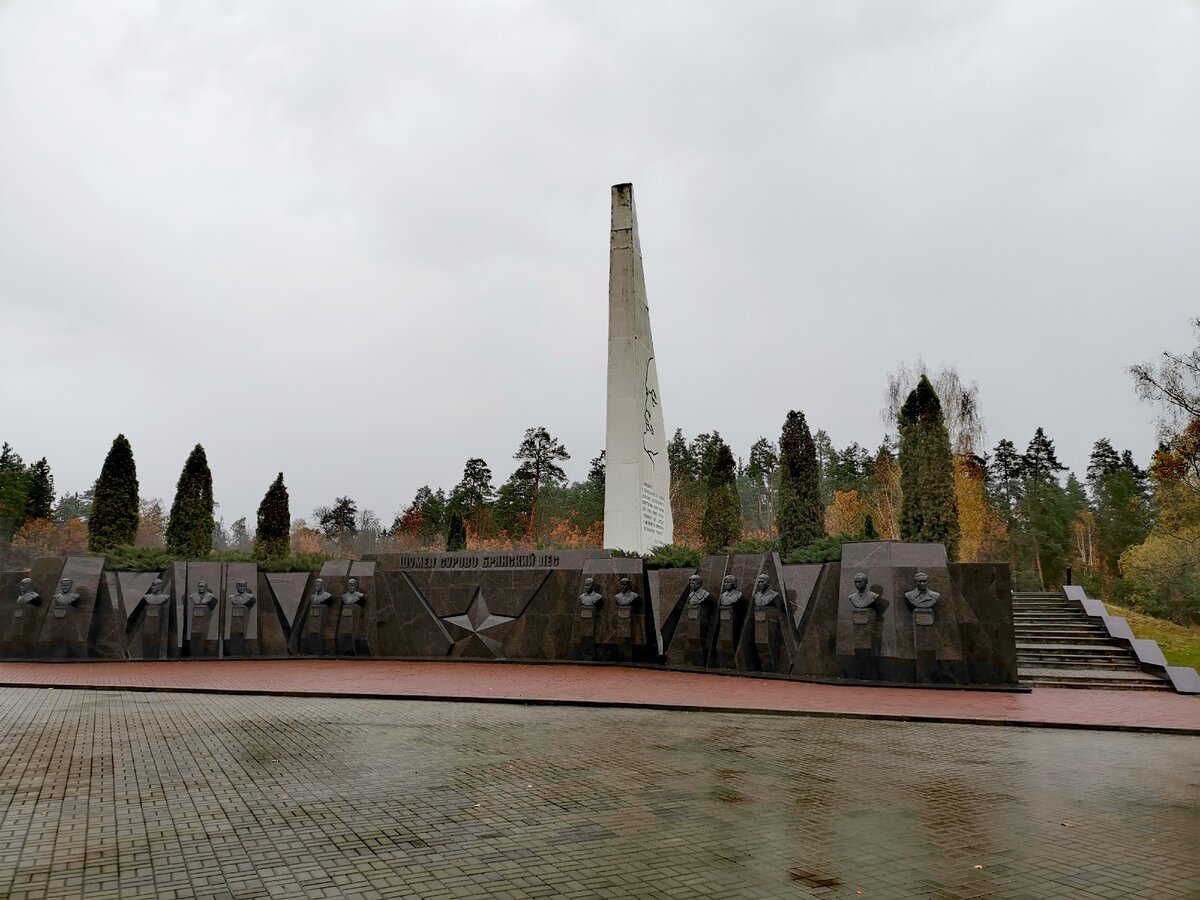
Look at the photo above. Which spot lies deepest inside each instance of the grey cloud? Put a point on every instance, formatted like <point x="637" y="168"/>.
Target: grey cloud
<point x="364" y="242"/>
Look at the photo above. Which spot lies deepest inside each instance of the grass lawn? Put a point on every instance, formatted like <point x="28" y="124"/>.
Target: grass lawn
<point x="1180" y="643"/>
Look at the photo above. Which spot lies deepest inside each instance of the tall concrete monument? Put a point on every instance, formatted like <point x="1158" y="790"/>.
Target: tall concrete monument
<point x="637" y="481"/>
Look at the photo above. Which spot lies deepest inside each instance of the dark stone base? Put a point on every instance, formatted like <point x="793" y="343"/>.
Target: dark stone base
<point x="526" y="606"/>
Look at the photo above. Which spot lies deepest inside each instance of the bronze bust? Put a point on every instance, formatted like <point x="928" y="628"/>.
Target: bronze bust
<point x="763" y="595"/>
<point x="922" y="597"/>
<point x="862" y="598"/>
<point x="627" y="596"/>
<point x="353" y="596"/>
<point x="730" y="595"/>
<point x="242" y="598"/>
<point x="155" y="598"/>
<point x="590" y="598"/>
<point x="320" y="596"/>
<point x="202" y="600"/>
<point x="28" y="596"/>
<point x="697" y="595"/>
<point x="66" y="598"/>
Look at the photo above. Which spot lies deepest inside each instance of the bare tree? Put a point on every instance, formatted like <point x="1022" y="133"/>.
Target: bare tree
<point x="1174" y="382"/>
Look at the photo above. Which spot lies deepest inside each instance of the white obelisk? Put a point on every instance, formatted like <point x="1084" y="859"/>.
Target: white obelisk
<point x="637" y="476"/>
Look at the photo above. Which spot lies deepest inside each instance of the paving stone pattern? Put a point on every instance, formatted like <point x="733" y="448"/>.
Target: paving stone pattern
<point x="112" y="794"/>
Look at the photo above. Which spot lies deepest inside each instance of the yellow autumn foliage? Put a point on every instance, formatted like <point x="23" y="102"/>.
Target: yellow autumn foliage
<point x="847" y="514"/>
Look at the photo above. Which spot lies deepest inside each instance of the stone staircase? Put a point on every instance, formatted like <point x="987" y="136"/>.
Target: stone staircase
<point x="1058" y="645"/>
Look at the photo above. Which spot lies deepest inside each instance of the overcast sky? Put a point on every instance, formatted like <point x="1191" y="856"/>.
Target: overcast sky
<point x="362" y="242"/>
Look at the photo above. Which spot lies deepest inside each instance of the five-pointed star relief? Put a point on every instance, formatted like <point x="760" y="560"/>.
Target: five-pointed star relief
<point x="477" y="620"/>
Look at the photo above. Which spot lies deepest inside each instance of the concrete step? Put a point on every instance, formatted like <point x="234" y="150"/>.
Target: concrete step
<point x="1045" y="613"/>
<point x="1077" y="649"/>
<point x="1101" y="650"/>
<point x="1024" y="631"/>
<point x="1086" y="677"/>
<point x="1047" y="682"/>
<point x="1072" y="663"/>
<point x="1051" y="613"/>
<point x="1094" y="640"/>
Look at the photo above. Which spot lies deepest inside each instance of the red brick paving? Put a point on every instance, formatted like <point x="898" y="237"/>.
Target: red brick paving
<point x="602" y="685"/>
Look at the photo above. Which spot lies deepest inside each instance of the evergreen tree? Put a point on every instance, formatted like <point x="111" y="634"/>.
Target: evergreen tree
<point x="114" y="517"/>
<point x="801" y="517"/>
<point x="762" y="483"/>
<point x="704" y="449"/>
<point x="929" y="511"/>
<point x="456" y="532"/>
<point x="684" y="466"/>
<point x="73" y="505"/>
<point x="273" y="539"/>
<point x="597" y="470"/>
<point x="239" y="535"/>
<point x="10" y="459"/>
<point x="14" y="491"/>
<point x="825" y="457"/>
<point x="1043" y="515"/>
<point x="539" y="455"/>
<point x="191" y="526"/>
<point x="339" y="521"/>
<point x="433" y="514"/>
<point x="475" y="489"/>
<point x="849" y="469"/>
<point x="39" y="503"/>
<point x="220" y="535"/>
<point x="1121" y="501"/>
<point x="1103" y="461"/>
<point x="687" y="489"/>
<point x="514" y="504"/>
<point x="722" y="524"/>
<point x="587" y="507"/>
<point x="426" y="514"/>
<point x="1005" y="470"/>
<point x="1040" y="460"/>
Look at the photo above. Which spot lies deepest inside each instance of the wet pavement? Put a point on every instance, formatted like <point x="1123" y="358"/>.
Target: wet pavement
<point x="124" y="794"/>
<point x="604" y="685"/>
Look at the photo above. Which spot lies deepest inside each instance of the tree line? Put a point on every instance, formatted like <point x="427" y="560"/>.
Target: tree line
<point x="1128" y="534"/>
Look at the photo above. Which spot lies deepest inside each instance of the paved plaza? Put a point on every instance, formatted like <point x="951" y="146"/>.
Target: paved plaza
<point x="622" y="686"/>
<point x="125" y="794"/>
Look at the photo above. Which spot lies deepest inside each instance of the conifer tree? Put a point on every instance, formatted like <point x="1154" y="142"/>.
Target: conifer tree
<point x="114" y="518"/>
<point x="273" y="539"/>
<point x="39" y="503"/>
<point x="929" y="511"/>
<point x="190" y="529"/>
<point x="456" y="532"/>
<point x="801" y="516"/>
<point x="539" y="454"/>
<point x="475" y="489"/>
<point x="722" y="524"/>
<point x="14" y="490"/>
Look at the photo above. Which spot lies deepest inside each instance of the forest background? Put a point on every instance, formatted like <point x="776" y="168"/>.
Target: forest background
<point x="1129" y="534"/>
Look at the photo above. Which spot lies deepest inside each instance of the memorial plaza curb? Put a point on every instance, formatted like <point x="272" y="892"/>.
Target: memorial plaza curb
<point x="620" y="687"/>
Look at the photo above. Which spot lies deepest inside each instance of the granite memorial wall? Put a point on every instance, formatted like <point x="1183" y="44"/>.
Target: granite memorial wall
<point x="888" y="612"/>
